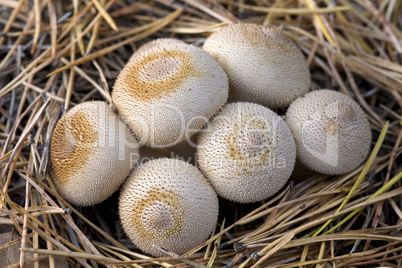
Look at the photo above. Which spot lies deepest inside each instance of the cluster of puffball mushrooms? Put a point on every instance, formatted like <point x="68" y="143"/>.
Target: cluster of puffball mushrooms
<point x="168" y="92"/>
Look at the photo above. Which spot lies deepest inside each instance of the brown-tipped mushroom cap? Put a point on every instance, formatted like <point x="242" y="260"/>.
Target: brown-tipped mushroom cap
<point x="262" y="64"/>
<point x="247" y="152"/>
<point x="168" y="203"/>
<point x="90" y="153"/>
<point x="169" y="92"/>
<point x="331" y="131"/>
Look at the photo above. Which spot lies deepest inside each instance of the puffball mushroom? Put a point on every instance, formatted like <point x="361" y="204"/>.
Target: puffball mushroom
<point x="168" y="203"/>
<point x="247" y="152"/>
<point x="168" y="92"/>
<point x="262" y="64"/>
<point x="331" y="131"/>
<point x="90" y="153"/>
<point x="154" y="43"/>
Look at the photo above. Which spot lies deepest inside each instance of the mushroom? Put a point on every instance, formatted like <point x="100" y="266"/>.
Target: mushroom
<point x="168" y="92"/>
<point x="90" y="153"/>
<point x="247" y="152"/>
<point x="262" y="64"/>
<point x="331" y="131"/>
<point x="154" y="43"/>
<point x="168" y="203"/>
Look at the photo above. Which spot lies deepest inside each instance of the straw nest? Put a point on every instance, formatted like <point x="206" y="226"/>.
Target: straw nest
<point x="55" y="54"/>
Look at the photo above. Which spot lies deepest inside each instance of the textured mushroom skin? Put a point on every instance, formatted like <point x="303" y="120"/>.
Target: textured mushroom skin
<point x="247" y="152"/>
<point x="89" y="153"/>
<point x="154" y="43"/>
<point x="169" y="203"/>
<point x="167" y="90"/>
<point x="262" y="64"/>
<point x="331" y="131"/>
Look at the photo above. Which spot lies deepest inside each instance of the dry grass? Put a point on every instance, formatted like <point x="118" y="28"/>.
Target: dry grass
<point x="55" y="54"/>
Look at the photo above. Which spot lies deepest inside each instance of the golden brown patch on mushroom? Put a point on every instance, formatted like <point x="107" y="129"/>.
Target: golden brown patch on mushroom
<point x="281" y="41"/>
<point x="75" y="138"/>
<point x="248" y="152"/>
<point x="249" y="142"/>
<point x="160" y="211"/>
<point x="155" y="75"/>
<point x="331" y="128"/>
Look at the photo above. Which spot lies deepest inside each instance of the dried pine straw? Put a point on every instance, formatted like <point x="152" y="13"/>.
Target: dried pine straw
<point x="55" y="54"/>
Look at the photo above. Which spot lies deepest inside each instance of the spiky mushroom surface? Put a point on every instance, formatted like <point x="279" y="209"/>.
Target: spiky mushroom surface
<point x="169" y="203"/>
<point x="154" y="43"/>
<point x="90" y="153"/>
<point x="331" y="131"/>
<point x="262" y="64"/>
<point x="247" y="152"/>
<point x="168" y="92"/>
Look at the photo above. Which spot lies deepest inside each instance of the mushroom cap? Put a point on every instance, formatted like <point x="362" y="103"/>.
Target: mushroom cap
<point x="262" y="64"/>
<point x="169" y="203"/>
<point x="168" y="92"/>
<point x="247" y="152"/>
<point x="154" y="43"/>
<point x="331" y="131"/>
<point x="90" y="153"/>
